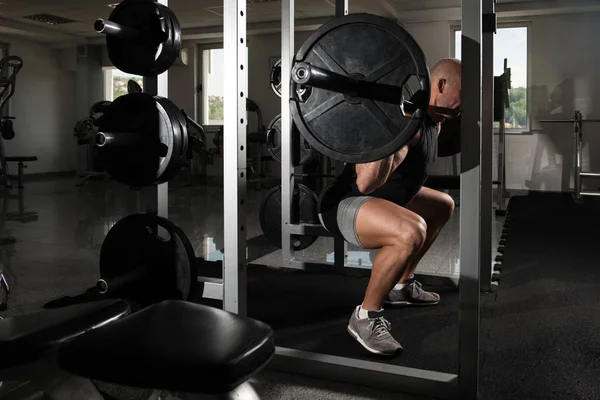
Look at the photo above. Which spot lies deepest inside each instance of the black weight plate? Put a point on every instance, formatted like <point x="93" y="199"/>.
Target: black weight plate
<point x="270" y="215"/>
<point x="145" y="57"/>
<point x="307" y="153"/>
<point x="180" y="139"/>
<point x="143" y="164"/>
<point x="368" y="47"/>
<point x="136" y="241"/>
<point x="172" y="47"/>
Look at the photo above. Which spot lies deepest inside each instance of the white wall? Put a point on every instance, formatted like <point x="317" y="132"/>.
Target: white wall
<point x="560" y="47"/>
<point x="44" y="107"/>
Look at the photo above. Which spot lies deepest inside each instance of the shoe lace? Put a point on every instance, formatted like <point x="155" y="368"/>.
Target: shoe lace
<point x="380" y="326"/>
<point x="416" y="287"/>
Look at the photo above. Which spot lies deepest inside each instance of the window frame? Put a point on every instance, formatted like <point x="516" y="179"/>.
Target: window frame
<point x="456" y="26"/>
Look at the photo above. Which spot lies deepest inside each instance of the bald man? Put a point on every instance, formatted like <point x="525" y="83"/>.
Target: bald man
<point x="383" y="205"/>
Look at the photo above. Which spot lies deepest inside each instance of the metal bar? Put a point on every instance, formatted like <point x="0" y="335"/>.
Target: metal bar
<point x="309" y="229"/>
<point x="206" y="279"/>
<point x="109" y="139"/>
<point x="590" y="174"/>
<point x="156" y="199"/>
<point x="287" y="169"/>
<point x="234" y="156"/>
<point x="487" y="139"/>
<point x="366" y="373"/>
<point x="113" y="29"/>
<point x="470" y="197"/>
<point x="309" y="75"/>
<point x="577" y="125"/>
<point x="341" y="8"/>
<point x="568" y="120"/>
<point x="596" y="194"/>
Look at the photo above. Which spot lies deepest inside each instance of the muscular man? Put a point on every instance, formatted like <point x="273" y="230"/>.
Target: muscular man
<point x="383" y="205"/>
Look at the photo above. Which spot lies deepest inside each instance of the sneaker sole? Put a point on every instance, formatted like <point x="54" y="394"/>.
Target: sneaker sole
<point x="363" y="344"/>
<point x="408" y="303"/>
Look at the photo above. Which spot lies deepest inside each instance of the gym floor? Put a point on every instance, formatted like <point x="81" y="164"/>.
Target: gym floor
<point x="57" y="254"/>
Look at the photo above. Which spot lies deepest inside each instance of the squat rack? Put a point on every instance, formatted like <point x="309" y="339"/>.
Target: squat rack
<point x="476" y="196"/>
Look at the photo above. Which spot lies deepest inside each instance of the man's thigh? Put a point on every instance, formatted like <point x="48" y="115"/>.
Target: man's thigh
<point x="431" y="204"/>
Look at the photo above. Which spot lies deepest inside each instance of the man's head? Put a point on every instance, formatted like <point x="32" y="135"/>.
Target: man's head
<point x="446" y="89"/>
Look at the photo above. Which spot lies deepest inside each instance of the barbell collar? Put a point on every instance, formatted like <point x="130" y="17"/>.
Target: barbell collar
<point x="309" y="75"/>
<point x="111" y="28"/>
<point x="108" y="139"/>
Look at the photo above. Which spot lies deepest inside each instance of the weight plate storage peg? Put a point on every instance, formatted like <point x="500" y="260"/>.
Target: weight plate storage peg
<point x="270" y="215"/>
<point x="143" y="140"/>
<point x="146" y="259"/>
<point x="358" y="67"/>
<point x="143" y="37"/>
<point x="307" y="153"/>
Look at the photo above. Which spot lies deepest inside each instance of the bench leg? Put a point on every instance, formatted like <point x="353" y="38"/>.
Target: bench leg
<point x="21" y="166"/>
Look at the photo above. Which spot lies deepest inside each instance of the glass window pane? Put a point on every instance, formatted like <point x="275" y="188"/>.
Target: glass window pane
<point x="510" y="43"/>
<point x="213" y="86"/>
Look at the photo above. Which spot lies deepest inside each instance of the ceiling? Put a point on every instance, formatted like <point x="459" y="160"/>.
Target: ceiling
<point x="194" y="14"/>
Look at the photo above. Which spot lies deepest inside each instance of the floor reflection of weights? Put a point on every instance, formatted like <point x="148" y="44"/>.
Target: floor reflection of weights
<point x="7" y="243"/>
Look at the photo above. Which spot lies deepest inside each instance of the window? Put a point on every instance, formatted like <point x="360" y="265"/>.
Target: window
<point x="511" y="43"/>
<point x="212" y="87"/>
<point x="115" y="83"/>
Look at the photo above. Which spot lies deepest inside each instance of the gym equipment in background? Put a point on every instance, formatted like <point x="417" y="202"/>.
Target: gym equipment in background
<point x="358" y="85"/>
<point x="578" y="120"/>
<point x="143" y="140"/>
<point x="307" y="153"/>
<point x="304" y="200"/>
<point x="9" y="68"/>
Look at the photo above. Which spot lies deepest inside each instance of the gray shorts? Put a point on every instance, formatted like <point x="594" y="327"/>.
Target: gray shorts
<point x="346" y="218"/>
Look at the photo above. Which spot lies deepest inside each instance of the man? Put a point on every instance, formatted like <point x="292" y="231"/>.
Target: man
<point x="383" y="205"/>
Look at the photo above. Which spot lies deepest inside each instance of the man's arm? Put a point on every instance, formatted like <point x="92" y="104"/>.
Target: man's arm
<point x="371" y="176"/>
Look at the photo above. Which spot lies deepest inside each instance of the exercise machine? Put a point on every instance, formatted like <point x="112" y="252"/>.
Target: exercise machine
<point x="9" y="68"/>
<point x="578" y="174"/>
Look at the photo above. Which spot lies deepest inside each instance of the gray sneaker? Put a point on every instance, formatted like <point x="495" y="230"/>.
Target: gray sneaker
<point x="373" y="333"/>
<point x="411" y="295"/>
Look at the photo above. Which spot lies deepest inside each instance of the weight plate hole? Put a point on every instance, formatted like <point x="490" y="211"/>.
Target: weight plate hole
<point x="241" y="13"/>
<point x="241" y="174"/>
<point x="242" y="121"/>
<point x="242" y="228"/>
<point x="241" y="148"/>
<point x="241" y="67"/>
<point x="241" y="94"/>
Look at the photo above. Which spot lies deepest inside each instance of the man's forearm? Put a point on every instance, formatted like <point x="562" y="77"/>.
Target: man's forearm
<point x="372" y="175"/>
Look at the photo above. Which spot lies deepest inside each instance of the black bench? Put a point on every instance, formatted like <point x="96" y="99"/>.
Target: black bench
<point x="21" y="166"/>
<point x="26" y="340"/>
<point x="174" y="345"/>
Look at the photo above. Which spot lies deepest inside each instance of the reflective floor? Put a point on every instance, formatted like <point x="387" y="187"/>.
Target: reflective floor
<point x="59" y="228"/>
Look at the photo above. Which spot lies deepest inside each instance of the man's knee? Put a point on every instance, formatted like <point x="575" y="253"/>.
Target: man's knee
<point x="411" y="234"/>
<point x="446" y="204"/>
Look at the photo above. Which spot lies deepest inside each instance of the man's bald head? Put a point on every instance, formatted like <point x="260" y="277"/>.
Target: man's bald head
<point x="446" y="83"/>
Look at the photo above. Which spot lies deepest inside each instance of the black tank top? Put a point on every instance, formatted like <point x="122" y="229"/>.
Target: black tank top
<point x="406" y="180"/>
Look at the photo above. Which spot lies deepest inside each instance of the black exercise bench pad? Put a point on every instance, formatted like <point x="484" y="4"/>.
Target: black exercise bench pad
<point x="27" y="338"/>
<point x="22" y="159"/>
<point x="173" y="345"/>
